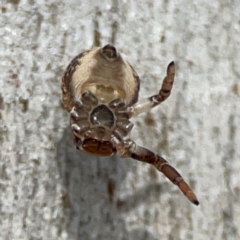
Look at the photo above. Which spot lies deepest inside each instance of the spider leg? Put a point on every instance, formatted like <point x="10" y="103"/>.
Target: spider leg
<point x="145" y="105"/>
<point x="129" y="148"/>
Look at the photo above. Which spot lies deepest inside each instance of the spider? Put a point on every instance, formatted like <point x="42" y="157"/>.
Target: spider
<point x="100" y="90"/>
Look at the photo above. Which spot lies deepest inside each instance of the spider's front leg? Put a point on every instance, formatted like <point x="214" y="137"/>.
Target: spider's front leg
<point x="129" y="148"/>
<point x="145" y="105"/>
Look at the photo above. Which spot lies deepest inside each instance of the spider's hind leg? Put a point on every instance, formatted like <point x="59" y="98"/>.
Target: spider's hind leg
<point x="129" y="148"/>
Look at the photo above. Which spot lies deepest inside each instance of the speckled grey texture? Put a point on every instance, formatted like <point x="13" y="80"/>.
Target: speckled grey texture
<point x="49" y="190"/>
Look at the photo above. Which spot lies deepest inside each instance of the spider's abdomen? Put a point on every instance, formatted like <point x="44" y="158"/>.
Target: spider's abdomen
<point x="104" y="73"/>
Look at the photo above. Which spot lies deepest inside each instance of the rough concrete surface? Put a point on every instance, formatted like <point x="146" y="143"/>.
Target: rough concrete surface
<point x="49" y="190"/>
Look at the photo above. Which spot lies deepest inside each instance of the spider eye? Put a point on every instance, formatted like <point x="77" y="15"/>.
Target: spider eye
<point x="103" y="116"/>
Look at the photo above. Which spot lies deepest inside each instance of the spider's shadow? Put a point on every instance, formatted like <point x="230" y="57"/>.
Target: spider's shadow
<point x="92" y="200"/>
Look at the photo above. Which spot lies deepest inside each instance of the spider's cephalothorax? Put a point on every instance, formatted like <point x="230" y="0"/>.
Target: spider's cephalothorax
<point x="100" y="90"/>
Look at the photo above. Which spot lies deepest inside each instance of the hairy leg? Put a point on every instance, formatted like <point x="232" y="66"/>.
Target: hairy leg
<point x="129" y="148"/>
<point x="146" y="104"/>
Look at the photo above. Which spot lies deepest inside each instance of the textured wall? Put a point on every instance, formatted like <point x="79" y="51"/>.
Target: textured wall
<point x="49" y="190"/>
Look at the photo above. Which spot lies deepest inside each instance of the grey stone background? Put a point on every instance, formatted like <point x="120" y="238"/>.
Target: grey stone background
<point x="49" y="190"/>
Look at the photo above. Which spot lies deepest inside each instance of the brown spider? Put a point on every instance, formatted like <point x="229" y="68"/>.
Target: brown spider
<point x="100" y="90"/>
